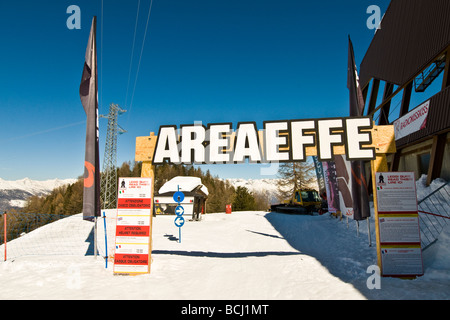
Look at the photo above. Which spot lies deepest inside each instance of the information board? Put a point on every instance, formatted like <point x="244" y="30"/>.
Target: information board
<point x="133" y="227"/>
<point x="398" y="224"/>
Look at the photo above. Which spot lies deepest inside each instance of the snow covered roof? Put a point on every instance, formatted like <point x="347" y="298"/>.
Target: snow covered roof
<point x="186" y="184"/>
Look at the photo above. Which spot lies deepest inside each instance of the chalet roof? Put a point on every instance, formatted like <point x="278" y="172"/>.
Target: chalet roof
<point x="185" y="184"/>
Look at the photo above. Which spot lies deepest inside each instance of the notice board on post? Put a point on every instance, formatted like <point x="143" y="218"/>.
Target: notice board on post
<point x="398" y="224"/>
<point x="133" y="226"/>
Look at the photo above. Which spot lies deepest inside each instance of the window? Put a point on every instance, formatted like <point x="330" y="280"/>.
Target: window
<point x="424" y="163"/>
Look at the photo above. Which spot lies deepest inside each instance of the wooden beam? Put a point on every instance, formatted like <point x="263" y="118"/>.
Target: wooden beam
<point x="437" y="157"/>
<point x="406" y="99"/>
<point x="148" y="171"/>
<point x="145" y="148"/>
<point x="395" y="162"/>
<point x="378" y="165"/>
<point x="384" y="112"/>
<point x="373" y="97"/>
<point x="446" y="80"/>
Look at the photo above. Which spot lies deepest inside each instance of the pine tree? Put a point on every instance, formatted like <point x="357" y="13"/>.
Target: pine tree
<point x="244" y="200"/>
<point x="294" y="176"/>
<point x="68" y="200"/>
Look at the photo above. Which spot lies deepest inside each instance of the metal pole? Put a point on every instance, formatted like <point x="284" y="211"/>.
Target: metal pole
<point x="368" y="229"/>
<point x="106" y="241"/>
<point x="179" y="229"/>
<point x="95" y="237"/>
<point x="5" y="231"/>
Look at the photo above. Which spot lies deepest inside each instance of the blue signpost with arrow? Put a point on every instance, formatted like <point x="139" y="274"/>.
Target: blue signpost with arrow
<point x="179" y="211"/>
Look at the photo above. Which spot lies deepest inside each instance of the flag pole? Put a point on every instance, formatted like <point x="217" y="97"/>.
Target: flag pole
<point x="106" y="240"/>
<point x="5" y="232"/>
<point x="95" y="238"/>
<point x="368" y="231"/>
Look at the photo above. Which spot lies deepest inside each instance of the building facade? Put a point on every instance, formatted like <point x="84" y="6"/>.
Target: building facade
<point x="405" y="77"/>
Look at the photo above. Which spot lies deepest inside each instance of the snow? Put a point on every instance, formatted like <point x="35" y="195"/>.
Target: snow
<point x="256" y="185"/>
<point x="33" y="186"/>
<point x="14" y="194"/>
<point x="268" y="187"/>
<point x="239" y="256"/>
<point x="186" y="184"/>
<point x="18" y="203"/>
<point x="423" y="190"/>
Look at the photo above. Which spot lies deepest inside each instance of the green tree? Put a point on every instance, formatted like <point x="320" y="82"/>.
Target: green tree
<point x="69" y="199"/>
<point x="243" y="200"/>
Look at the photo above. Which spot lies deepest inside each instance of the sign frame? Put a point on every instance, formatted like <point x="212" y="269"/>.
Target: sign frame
<point x="398" y="228"/>
<point x="133" y="236"/>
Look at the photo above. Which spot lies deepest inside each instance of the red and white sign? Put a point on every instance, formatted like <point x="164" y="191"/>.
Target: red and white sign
<point x="398" y="224"/>
<point x="133" y="227"/>
<point x="412" y="122"/>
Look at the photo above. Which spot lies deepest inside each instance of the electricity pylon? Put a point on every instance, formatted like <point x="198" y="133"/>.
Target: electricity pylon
<point x="109" y="174"/>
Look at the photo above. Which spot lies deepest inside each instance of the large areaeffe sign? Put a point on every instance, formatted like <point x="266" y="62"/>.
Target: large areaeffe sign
<point x="280" y="141"/>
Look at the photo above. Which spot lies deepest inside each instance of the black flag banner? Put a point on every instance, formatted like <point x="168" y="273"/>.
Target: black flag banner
<point x="360" y="196"/>
<point x="88" y="96"/>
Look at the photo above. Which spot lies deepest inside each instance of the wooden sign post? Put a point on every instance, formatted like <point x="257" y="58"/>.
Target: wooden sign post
<point x="145" y="148"/>
<point x="384" y="139"/>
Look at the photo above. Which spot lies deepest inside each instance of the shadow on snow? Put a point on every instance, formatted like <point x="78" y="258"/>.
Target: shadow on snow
<point x="342" y="252"/>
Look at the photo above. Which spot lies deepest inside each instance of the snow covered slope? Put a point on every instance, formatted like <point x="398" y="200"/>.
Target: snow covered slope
<point x="13" y="194"/>
<point x="242" y="256"/>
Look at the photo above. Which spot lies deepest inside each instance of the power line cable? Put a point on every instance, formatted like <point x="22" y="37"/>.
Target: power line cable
<point x="140" y="58"/>
<point x="132" y="51"/>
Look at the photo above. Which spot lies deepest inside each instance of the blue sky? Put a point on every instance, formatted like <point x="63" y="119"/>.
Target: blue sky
<point x="203" y="60"/>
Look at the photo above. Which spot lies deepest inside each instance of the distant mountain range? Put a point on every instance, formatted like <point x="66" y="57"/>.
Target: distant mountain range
<point x="264" y="186"/>
<point x="268" y="187"/>
<point x="13" y="194"/>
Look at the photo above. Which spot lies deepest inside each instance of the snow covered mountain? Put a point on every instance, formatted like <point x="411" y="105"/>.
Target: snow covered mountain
<point x="255" y="185"/>
<point x="268" y="187"/>
<point x="261" y="186"/>
<point x="13" y="194"/>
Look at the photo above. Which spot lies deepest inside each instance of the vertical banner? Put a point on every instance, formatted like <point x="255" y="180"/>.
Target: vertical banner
<point x="133" y="227"/>
<point x="329" y="169"/>
<point x="359" y="191"/>
<point x="320" y="176"/>
<point x="89" y="100"/>
<point x="398" y="220"/>
<point x="344" y="183"/>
